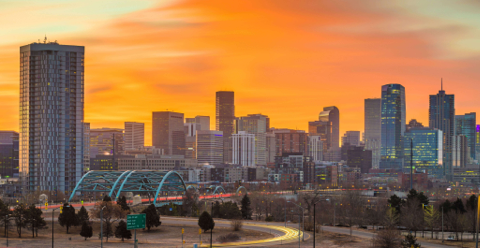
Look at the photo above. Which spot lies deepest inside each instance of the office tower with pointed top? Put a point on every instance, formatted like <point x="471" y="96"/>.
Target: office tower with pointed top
<point x="393" y="126"/>
<point x="51" y="116"/>
<point x="225" y="121"/>
<point x="373" y="128"/>
<point x="441" y="115"/>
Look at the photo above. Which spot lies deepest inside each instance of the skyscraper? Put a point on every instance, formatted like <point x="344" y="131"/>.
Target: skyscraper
<point x="427" y="150"/>
<point x="256" y="124"/>
<point x="168" y="132"/>
<point x="351" y="137"/>
<point x="51" y="116"/>
<point x="209" y="147"/>
<point x="8" y="154"/>
<point x="243" y="148"/>
<point x="225" y="118"/>
<point x="466" y="125"/>
<point x="134" y="135"/>
<point x="393" y="126"/>
<point x="86" y="147"/>
<point x="441" y="115"/>
<point x="373" y="128"/>
<point x="106" y="141"/>
<point x="332" y="116"/>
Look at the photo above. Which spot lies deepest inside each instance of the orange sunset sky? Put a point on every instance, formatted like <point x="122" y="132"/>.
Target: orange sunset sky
<point x="285" y="59"/>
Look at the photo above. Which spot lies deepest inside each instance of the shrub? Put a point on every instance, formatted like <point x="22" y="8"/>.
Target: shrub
<point x="231" y="237"/>
<point x="269" y="218"/>
<point x="236" y="225"/>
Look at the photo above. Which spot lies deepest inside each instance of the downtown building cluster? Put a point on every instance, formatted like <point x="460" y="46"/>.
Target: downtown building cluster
<point x="54" y="147"/>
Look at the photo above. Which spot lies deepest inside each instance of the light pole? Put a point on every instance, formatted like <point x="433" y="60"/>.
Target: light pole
<point x="6" y="227"/>
<point x="442" y="224"/>
<point x="303" y="236"/>
<point x="211" y="231"/>
<point x="101" y="227"/>
<point x="285" y="211"/>
<point x="53" y="227"/>
<point x="314" y="226"/>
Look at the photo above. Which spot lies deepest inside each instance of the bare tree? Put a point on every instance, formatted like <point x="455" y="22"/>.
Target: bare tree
<point x="412" y="215"/>
<point x="352" y="207"/>
<point x="387" y="238"/>
<point x="111" y="213"/>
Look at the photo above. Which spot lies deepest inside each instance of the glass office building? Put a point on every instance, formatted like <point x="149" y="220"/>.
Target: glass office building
<point x="51" y="116"/>
<point x="467" y="125"/>
<point x="427" y="150"/>
<point x="393" y="126"/>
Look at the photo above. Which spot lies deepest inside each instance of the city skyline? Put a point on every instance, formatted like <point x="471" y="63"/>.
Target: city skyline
<point x="261" y="75"/>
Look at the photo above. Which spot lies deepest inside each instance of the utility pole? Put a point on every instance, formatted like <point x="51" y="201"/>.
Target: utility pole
<point x="286" y="212"/>
<point x="211" y="231"/>
<point x="442" y="224"/>
<point x="53" y="226"/>
<point x="411" y="163"/>
<point x="477" y="222"/>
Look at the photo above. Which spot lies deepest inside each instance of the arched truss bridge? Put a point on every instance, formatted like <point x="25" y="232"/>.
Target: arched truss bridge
<point x="115" y="182"/>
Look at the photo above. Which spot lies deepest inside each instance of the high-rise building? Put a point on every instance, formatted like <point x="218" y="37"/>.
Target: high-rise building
<point x="243" y="148"/>
<point x="51" y="116"/>
<point x="271" y="147"/>
<point x="460" y="152"/>
<point x="323" y="129"/>
<point x="373" y="128"/>
<point x="315" y="147"/>
<point x="357" y="157"/>
<point x="332" y="116"/>
<point x="106" y="141"/>
<point x="477" y="144"/>
<point x="290" y="141"/>
<point x="86" y="147"/>
<point x="427" y="150"/>
<point x="351" y="137"/>
<point x="190" y="127"/>
<point x="134" y="135"/>
<point x="441" y="115"/>
<point x="9" y="154"/>
<point x="204" y="122"/>
<point x="256" y="124"/>
<point x="225" y="119"/>
<point x="168" y="132"/>
<point x="209" y="147"/>
<point x="414" y="123"/>
<point x="466" y="125"/>
<point x="393" y="126"/>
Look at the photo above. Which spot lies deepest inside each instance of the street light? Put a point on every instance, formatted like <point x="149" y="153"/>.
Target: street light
<point x="314" y="226"/>
<point x="299" y="223"/>
<point x="101" y="227"/>
<point x="6" y="227"/>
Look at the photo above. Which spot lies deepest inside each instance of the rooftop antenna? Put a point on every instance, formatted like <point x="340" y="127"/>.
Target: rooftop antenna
<point x="441" y="82"/>
<point x="45" y="40"/>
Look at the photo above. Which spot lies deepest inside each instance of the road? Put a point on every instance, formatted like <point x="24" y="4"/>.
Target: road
<point x="282" y="235"/>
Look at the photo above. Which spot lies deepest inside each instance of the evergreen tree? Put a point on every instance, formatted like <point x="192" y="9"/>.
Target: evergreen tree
<point x="68" y="217"/>
<point x="205" y="222"/>
<point x="122" y="232"/>
<point x="83" y="215"/>
<point x="123" y="203"/>
<point x="216" y="210"/>
<point x="153" y="219"/>
<point x="410" y="241"/>
<point x="471" y="203"/>
<point x="107" y="198"/>
<point x="246" y="209"/>
<point x="107" y="230"/>
<point x="87" y="230"/>
<point x="458" y="206"/>
<point x="34" y="219"/>
<point x="396" y="202"/>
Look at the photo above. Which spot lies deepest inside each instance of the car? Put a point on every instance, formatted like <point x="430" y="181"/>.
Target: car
<point x="451" y="237"/>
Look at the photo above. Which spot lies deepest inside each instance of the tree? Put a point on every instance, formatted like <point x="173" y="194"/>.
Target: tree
<point x="123" y="203"/>
<point x="190" y="203"/>
<point x="412" y="215"/>
<point x="107" y="198"/>
<point x="153" y="218"/>
<point x="387" y="238"/>
<point x="111" y="213"/>
<point x="67" y="217"/>
<point x="396" y="202"/>
<point x="34" y="219"/>
<point x="246" y="209"/>
<point x="19" y="214"/>
<point x="216" y="210"/>
<point x="229" y="210"/>
<point x="431" y="217"/>
<point x="83" y="215"/>
<point x="4" y="210"/>
<point x="391" y="217"/>
<point x="413" y="194"/>
<point x="205" y="222"/>
<point x="122" y="232"/>
<point x="87" y="230"/>
<point x="410" y="241"/>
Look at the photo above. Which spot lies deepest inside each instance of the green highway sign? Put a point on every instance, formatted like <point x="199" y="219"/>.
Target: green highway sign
<point x="136" y="221"/>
